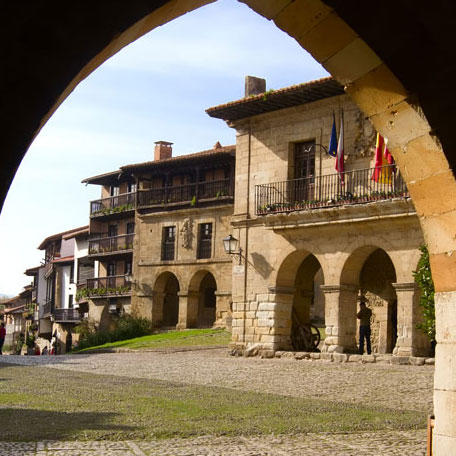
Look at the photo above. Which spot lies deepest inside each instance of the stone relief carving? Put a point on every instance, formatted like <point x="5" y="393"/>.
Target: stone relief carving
<point x="186" y="233"/>
<point x="364" y="145"/>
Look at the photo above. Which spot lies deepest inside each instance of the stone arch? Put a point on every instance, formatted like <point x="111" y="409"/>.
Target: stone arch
<point x="299" y="278"/>
<point x="377" y="279"/>
<point x="382" y="91"/>
<point x="202" y="289"/>
<point x="165" y="310"/>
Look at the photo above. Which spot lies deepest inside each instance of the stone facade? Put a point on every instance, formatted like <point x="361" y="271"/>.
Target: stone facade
<point x="299" y="261"/>
<point x="185" y="292"/>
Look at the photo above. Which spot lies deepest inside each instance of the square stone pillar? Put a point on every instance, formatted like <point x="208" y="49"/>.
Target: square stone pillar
<point x="188" y="309"/>
<point x="340" y="318"/>
<point x="223" y="315"/>
<point x="158" y="299"/>
<point x="411" y="341"/>
<point x="444" y="437"/>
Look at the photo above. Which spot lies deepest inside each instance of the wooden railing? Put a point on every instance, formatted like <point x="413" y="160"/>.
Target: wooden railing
<point x="100" y="287"/>
<point x="46" y="308"/>
<point x="105" y="244"/>
<point x="113" y="204"/>
<point x="186" y="194"/>
<point x="351" y="187"/>
<point x="67" y="315"/>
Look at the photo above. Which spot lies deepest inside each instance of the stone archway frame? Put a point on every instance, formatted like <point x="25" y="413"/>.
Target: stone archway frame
<point x="159" y="294"/>
<point x="273" y="315"/>
<point x="397" y="116"/>
<point x="189" y="304"/>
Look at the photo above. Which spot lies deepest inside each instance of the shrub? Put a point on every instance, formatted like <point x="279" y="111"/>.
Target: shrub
<point x="126" y="327"/>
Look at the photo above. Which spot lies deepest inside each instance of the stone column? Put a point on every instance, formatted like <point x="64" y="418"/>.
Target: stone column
<point x="223" y="316"/>
<point x="188" y="309"/>
<point x="340" y="318"/>
<point x="273" y="318"/>
<point x="411" y="341"/>
<point x="158" y="299"/>
<point x="445" y="374"/>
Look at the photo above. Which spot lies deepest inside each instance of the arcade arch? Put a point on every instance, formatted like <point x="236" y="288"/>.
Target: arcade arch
<point x="165" y="310"/>
<point x="373" y="84"/>
<point x="300" y="277"/>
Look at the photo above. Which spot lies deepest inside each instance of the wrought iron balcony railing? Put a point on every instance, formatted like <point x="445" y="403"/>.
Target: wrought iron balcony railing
<point x="113" y="204"/>
<point x="351" y="187"/>
<point x="67" y="315"/>
<point x="187" y="194"/>
<point x="104" y="244"/>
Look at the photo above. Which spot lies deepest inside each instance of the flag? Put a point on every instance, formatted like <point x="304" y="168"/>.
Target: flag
<point x="332" y="149"/>
<point x="383" y="173"/>
<point x="340" y="150"/>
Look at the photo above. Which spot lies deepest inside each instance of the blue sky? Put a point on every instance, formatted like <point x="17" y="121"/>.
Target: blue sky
<point x="157" y="88"/>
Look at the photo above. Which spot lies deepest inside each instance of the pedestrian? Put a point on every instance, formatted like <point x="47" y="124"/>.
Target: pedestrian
<point x="2" y="336"/>
<point x="364" y="316"/>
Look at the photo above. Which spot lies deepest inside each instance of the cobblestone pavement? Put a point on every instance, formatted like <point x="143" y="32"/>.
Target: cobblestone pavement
<point x="390" y="386"/>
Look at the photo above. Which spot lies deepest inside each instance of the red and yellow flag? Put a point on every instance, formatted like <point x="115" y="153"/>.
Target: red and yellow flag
<point x="383" y="173"/>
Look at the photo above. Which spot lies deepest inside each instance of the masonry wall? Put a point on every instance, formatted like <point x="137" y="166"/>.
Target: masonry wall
<point x="151" y="272"/>
<point x="341" y="238"/>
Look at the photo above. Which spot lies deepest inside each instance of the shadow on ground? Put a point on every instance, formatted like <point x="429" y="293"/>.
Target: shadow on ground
<point x="28" y="425"/>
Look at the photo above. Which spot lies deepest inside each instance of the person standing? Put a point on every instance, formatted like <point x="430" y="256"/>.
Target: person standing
<point x="364" y="315"/>
<point x="2" y="336"/>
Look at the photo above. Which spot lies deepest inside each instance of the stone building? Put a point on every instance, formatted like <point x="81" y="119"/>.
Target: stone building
<point x="314" y="242"/>
<point x="160" y="234"/>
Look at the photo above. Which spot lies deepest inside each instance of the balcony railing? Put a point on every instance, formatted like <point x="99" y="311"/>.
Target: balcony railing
<point x="186" y="194"/>
<point x="113" y="244"/>
<point x="351" y="187"/>
<point x="45" y="309"/>
<point x="101" y="287"/>
<point x="113" y="204"/>
<point x="67" y="315"/>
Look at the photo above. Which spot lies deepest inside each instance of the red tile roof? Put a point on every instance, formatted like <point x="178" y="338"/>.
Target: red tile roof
<point x="57" y="236"/>
<point x="195" y="157"/>
<point x="277" y="99"/>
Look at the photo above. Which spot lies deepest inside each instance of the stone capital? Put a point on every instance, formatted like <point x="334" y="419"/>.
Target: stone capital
<point x="282" y="290"/>
<point x="338" y="288"/>
<point x="405" y="286"/>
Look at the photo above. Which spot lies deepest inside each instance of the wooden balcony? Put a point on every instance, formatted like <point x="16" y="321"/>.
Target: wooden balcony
<point x="67" y="315"/>
<point x="104" y="287"/>
<point x="104" y="246"/>
<point x="194" y="194"/>
<point x="46" y="309"/>
<point x="351" y="187"/>
<point x="114" y="205"/>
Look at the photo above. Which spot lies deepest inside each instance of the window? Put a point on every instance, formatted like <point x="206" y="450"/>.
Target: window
<point x="205" y="240"/>
<point x="132" y="187"/>
<point x="128" y="268"/>
<point x="169" y="238"/>
<point x="304" y="171"/>
<point x="114" y="191"/>
<point x="304" y="160"/>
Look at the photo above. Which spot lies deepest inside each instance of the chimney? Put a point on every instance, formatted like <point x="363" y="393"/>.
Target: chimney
<point x="163" y="150"/>
<point x="254" y="86"/>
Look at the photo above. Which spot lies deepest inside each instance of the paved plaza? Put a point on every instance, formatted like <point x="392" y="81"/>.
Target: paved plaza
<point x="400" y="387"/>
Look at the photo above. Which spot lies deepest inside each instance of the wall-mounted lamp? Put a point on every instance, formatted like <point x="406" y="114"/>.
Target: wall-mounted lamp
<point x="230" y="245"/>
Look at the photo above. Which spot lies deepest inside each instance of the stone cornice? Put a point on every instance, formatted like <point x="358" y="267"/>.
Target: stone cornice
<point x="185" y="262"/>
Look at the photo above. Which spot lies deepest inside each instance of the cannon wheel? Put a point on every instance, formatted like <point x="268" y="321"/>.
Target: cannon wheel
<point x="305" y="337"/>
